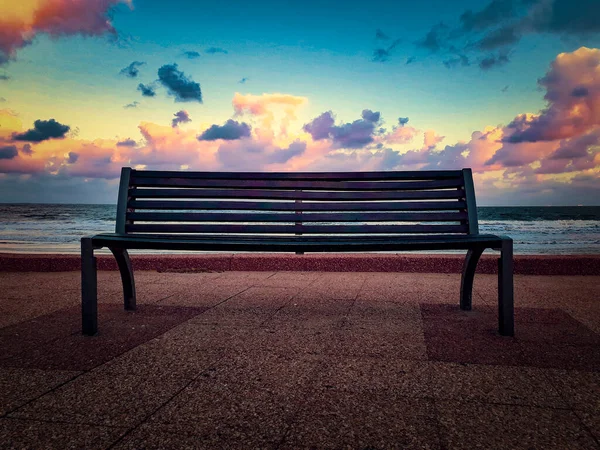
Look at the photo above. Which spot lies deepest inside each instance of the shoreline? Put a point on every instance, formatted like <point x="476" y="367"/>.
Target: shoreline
<point x="313" y="262"/>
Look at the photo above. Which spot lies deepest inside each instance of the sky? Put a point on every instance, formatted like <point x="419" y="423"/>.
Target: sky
<point x="510" y="88"/>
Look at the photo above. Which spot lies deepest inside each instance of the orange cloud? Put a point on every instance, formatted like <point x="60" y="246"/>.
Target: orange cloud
<point x="573" y="94"/>
<point x="21" y="21"/>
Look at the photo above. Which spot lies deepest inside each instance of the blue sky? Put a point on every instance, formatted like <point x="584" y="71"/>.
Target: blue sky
<point x="343" y="57"/>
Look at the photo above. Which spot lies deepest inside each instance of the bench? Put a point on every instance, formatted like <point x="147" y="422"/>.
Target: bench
<point x="296" y="212"/>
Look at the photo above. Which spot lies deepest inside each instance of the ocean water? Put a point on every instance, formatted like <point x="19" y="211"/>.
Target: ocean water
<point x="54" y="228"/>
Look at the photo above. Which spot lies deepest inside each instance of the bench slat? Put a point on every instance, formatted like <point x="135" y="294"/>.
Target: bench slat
<point x="300" y="217"/>
<point x="456" y="194"/>
<point x="304" y="176"/>
<point x="293" y="229"/>
<point x="292" y="206"/>
<point x="298" y="184"/>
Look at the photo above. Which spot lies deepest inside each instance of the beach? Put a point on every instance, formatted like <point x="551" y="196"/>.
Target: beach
<point x="258" y="351"/>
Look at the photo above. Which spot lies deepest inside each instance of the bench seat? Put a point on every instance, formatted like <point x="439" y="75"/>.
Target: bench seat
<point x="297" y="243"/>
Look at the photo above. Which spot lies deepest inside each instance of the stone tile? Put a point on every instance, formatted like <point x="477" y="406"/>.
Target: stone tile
<point x="127" y="330"/>
<point x="294" y="341"/>
<point x="30" y="434"/>
<point x="313" y="307"/>
<point x="252" y="399"/>
<point x="493" y="384"/>
<point x="367" y="419"/>
<point x="325" y="293"/>
<point x="478" y="425"/>
<point x="162" y="357"/>
<point x="149" y="438"/>
<point x="224" y="316"/>
<point x="290" y="279"/>
<point x="591" y="420"/>
<point x="369" y="374"/>
<point x="340" y="281"/>
<point x="580" y="390"/>
<point x="462" y="341"/>
<point x="204" y="296"/>
<point x="18" y="386"/>
<point x="389" y="342"/>
<point x="37" y="331"/>
<point x="103" y="399"/>
<point x="240" y="277"/>
<point x="269" y="297"/>
<point x="555" y="356"/>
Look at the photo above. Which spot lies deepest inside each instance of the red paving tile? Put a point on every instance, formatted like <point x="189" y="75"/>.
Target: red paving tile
<point x="61" y="346"/>
<point x="288" y="360"/>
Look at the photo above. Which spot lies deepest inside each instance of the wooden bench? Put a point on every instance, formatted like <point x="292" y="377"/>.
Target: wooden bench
<point x="297" y="212"/>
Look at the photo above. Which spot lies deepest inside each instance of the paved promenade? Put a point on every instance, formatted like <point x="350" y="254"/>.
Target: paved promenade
<point x="279" y="359"/>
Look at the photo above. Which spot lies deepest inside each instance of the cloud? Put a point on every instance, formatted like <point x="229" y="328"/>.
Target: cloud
<point x="493" y="13"/>
<point x="401" y="135"/>
<point x="356" y="134"/>
<point x="72" y="157"/>
<point x="8" y="151"/>
<point x="383" y="54"/>
<point x="4" y="77"/>
<point x="183" y="88"/>
<point x="500" y="37"/>
<point x="502" y="24"/>
<point x="22" y="21"/>
<point x="321" y="126"/>
<point x="462" y="60"/>
<point x="573" y="155"/>
<point x="431" y="139"/>
<point x="403" y="120"/>
<point x="191" y="54"/>
<point x="492" y="61"/>
<point x="411" y="59"/>
<point x="271" y="110"/>
<point x="371" y="116"/>
<point x="262" y="104"/>
<point x="127" y="143"/>
<point x="134" y="104"/>
<point x="580" y="91"/>
<point x="132" y="70"/>
<point x="180" y="117"/>
<point x="147" y="90"/>
<point x="213" y="50"/>
<point x="381" y="35"/>
<point x="257" y="154"/>
<point x="231" y="130"/>
<point x="27" y="150"/>
<point x="2" y="99"/>
<point x="435" y="38"/>
<point x="43" y="130"/>
<point x="566" y="115"/>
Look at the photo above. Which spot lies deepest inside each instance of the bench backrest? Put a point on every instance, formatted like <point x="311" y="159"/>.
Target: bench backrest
<point x="292" y="203"/>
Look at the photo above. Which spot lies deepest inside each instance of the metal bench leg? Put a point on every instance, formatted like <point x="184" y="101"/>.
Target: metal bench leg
<point x="506" y="320"/>
<point x="126" y="270"/>
<point x="468" y="274"/>
<point x="89" y="296"/>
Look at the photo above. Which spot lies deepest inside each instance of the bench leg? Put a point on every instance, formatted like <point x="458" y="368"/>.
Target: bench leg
<point x="506" y="320"/>
<point x="89" y="295"/>
<point x="468" y="274"/>
<point x="126" y="270"/>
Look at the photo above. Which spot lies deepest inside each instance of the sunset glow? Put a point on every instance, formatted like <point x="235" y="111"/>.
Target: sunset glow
<point x="87" y="87"/>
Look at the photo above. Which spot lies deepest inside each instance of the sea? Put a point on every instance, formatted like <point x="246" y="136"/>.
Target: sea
<point x="536" y="230"/>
